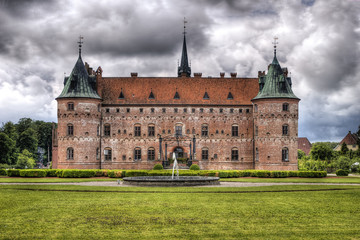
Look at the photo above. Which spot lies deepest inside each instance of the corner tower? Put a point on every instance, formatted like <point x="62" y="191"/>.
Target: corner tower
<point x="79" y="119"/>
<point x="275" y="120"/>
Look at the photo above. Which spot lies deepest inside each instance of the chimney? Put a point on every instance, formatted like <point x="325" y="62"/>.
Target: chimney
<point x="197" y="74"/>
<point x="233" y="74"/>
<point x="222" y="75"/>
<point x="134" y="74"/>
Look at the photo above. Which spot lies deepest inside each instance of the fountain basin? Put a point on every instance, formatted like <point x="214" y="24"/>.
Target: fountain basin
<point x="167" y="181"/>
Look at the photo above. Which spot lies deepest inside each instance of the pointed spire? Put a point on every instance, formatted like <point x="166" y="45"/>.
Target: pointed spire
<point x="184" y="67"/>
<point x="80" y="42"/>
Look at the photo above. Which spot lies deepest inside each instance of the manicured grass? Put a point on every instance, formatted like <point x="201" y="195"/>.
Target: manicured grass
<point x="296" y="180"/>
<point x="278" y="212"/>
<point x="52" y="180"/>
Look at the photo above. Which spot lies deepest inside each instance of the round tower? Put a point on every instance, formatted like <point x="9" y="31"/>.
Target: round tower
<point x="79" y="120"/>
<point x="275" y="120"/>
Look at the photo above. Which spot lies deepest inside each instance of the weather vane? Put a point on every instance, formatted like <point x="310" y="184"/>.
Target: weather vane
<point x="275" y="43"/>
<point x="185" y="22"/>
<point x="80" y="43"/>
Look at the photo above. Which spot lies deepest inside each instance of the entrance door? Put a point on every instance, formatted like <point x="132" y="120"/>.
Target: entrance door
<point x="179" y="152"/>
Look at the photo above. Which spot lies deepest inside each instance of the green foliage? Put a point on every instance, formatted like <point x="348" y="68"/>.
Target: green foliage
<point x="344" y="149"/>
<point x="74" y="173"/>
<point x="321" y="151"/>
<point x="7" y="149"/>
<point x="194" y="167"/>
<point x="116" y="173"/>
<point x="13" y="172"/>
<point x="28" y="140"/>
<point x="355" y="167"/>
<point x="341" y="172"/>
<point x="343" y="163"/>
<point x="136" y="173"/>
<point x="32" y="173"/>
<point x="278" y="174"/>
<point x="25" y="160"/>
<point x="158" y="167"/>
<point x="312" y="174"/>
<point x="301" y="154"/>
<point x="312" y="165"/>
<point x="3" y="172"/>
<point x="51" y="172"/>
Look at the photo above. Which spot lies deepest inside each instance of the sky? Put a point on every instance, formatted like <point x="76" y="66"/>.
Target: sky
<point x="318" y="41"/>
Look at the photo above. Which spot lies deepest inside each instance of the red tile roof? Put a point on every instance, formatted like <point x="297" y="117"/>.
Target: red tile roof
<point x="350" y="139"/>
<point x="304" y="145"/>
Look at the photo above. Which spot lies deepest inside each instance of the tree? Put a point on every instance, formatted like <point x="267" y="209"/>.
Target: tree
<point x="321" y="151"/>
<point x="25" y="160"/>
<point x="24" y="124"/>
<point x="343" y="163"/>
<point x="344" y="149"/>
<point x="44" y="133"/>
<point x="7" y="149"/>
<point x="28" y="140"/>
<point x="10" y="129"/>
<point x="301" y="154"/>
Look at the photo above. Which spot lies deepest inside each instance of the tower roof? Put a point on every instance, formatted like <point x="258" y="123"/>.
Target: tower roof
<point x="184" y="64"/>
<point x="276" y="83"/>
<point x="79" y="84"/>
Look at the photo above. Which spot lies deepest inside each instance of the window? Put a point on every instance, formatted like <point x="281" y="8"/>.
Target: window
<point x="107" y="130"/>
<point x="204" y="154"/>
<point x="70" y="130"/>
<point x="137" y="131"/>
<point x="201" y="110"/>
<point x="193" y="110"/>
<point x="234" y="154"/>
<point x="285" y="154"/>
<point x="256" y="154"/>
<point x="107" y="154"/>
<point x="211" y="110"/>
<point x="285" y="129"/>
<point x="235" y="131"/>
<point x="117" y="110"/>
<point x="285" y="107"/>
<point x="175" y="110"/>
<point x="141" y="110"/>
<point x="204" y="130"/>
<point x="240" y="110"/>
<point x="231" y="110"/>
<point x="164" y="110"/>
<point x="70" y="106"/>
<point x="70" y="153"/>
<point x="255" y="108"/>
<point x="107" y="110"/>
<point x="137" y="154"/>
<point x="152" y="110"/>
<point x="188" y="131"/>
<point x="128" y="110"/>
<point x="256" y="130"/>
<point x="221" y="110"/>
<point x="169" y="131"/>
<point x="178" y="130"/>
<point x="151" y="131"/>
<point x="193" y="131"/>
<point x="98" y="130"/>
<point x="247" y="110"/>
<point x="163" y="131"/>
<point x="98" y="153"/>
<point x="151" y="154"/>
<point x="185" y="110"/>
<point x="123" y="157"/>
<point x="215" y="156"/>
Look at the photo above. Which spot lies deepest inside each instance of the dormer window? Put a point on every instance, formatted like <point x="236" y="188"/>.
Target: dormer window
<point x="206" y="96"/>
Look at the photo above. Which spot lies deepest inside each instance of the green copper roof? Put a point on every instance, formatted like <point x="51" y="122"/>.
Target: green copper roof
<point x="275" y="84"/>
<point x="184" y="65"/>
<point x="79" y="84"/>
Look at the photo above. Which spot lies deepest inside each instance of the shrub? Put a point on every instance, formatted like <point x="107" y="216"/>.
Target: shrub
<point x="245" y="173"/>
<point x="278" y="174"/>
<point x="342" y="172"/>
<point x="194" y="167"/>
<point x="3" y="172"/>
<point x="312" y="174"/>
<point x="73" y="173"/>
<point x="260" y="173"/>
<point x="292" y="173"/>
<point x="13" y="173"/>
<point x="4" y="166"/>
<point x="115" y="173"/>
<point x="159" y="173"/>
<point x="136" y="173"/>
<point x="33" y="173"/>
<point x="158" y="167"/>
<point x="188" y="173"/>
<point x="59" y="172"/>
<point x="51" y="173"/>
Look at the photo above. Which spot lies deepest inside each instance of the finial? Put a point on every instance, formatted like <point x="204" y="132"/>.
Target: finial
<point x="190" y="63"/>
<point x="80" y="44"/>
<point x="275" y="42"/>
<point x="185" y="22"/>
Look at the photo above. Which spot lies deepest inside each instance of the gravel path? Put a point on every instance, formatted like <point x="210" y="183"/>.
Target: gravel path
<point x="222" y="184"/>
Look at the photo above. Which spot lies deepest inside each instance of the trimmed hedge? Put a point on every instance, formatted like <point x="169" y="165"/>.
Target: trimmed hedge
<point x="72" y="173"/>
<point x="312" y="174"/>
<point x="32" y="173"/>
<point x="3" y="172"/>
<point x="342" y="172"/>
<point x="13" y="173"/>
<point x="51" y="173"/>
<point x="115" y="173"/>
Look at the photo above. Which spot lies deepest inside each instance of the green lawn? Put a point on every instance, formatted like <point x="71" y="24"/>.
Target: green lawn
<point x="82" y="212"/>
<point x="296" y="180"/>
<point x="51" y="180"/>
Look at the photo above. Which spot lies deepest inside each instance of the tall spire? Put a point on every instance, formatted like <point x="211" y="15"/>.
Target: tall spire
<point x="184" y="67"/>
<point x="80" y="44"/>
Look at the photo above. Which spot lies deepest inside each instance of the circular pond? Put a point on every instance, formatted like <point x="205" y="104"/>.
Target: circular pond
<point x="168" y="181"/>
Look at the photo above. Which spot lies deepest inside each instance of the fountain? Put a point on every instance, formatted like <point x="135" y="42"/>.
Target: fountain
<point x="173" y="181"/>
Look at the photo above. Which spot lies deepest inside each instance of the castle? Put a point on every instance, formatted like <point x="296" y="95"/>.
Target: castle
<point x="216" y="122"/>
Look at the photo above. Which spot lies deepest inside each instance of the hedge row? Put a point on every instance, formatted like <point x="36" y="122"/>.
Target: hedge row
<point x="75" y="173"/>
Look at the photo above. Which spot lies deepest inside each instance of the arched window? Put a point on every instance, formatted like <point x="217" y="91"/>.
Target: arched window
<point x="178" y="129"/>
<point x="285" y="130"/>
<point x="234" y="154"/>
<point x="70" y="153"/>
<point x="255" y="108"/>
<point x="107" y="154"/>
<point x="285" y="107"/>
<point x="205" y="154"/>
<point x="70" y="129"/>
<point x="70" y="106"/>
<point x="256" y="154"/>
<point x="285" y="154"/>
<point x="151" y="153"/>
<point x="137" y="130"/>
<point x="256" y="130"/>
<point x="204" y="130"/>
<point x="137" y="154"/>
<point x="107" y="130"/>
<point x="97" y="153"/>
<point x="188" y="131"/>
<point x="234" y="130"/>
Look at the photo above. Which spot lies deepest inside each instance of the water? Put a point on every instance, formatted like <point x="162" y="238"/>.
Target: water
<point x="175" y="166"/>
